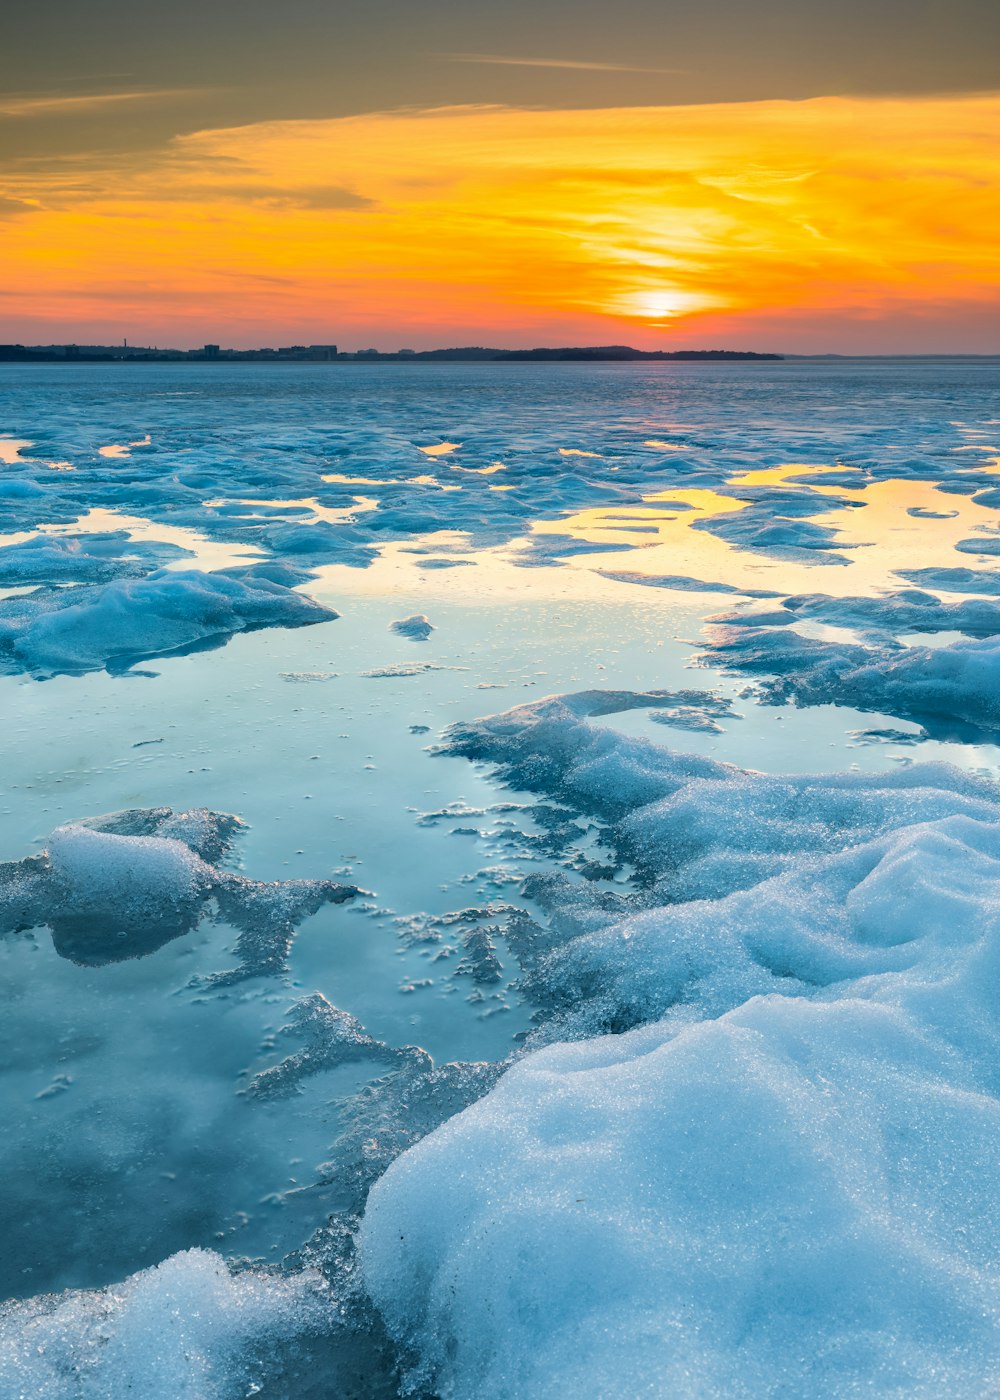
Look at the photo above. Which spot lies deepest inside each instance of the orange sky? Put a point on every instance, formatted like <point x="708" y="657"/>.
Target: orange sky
<point x="833" y="223"/>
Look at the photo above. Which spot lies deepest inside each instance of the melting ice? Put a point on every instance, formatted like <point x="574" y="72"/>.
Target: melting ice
<point x="499" y="872"/>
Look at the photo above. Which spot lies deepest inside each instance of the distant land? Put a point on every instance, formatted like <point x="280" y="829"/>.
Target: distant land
<point x="58" y="354"/>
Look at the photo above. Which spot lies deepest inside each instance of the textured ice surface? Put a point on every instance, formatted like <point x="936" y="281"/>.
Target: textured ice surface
<point x="784" y="1180"/>
<point x="947" y="686"/>
<point x="188" y="1329"/>
<point x="123" y="885"/>
<point x="728" y="1008"/>
<point x="53" y="631"/>
<point x="90" y="558"/>
<point x="417" y="628"/>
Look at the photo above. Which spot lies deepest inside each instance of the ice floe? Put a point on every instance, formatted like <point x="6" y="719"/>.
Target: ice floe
<point x="86" y="627"/>
<point x="779" y="1175"/>
<point x="123" y="885"/>
<point x="189" y="1329"/>
<point x="943" y="688"/>
<point x="417" y="628"/>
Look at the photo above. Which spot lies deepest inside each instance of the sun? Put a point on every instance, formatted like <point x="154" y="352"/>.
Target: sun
<point x="663" y="304"/>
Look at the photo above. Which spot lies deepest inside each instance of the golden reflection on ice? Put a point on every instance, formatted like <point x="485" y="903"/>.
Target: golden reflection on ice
<point x="424" y="480"/>
<point x="204" y="553"/>
<point x="874" y="530"/>
<point x="358" y="480"/>
<point x="10" y="455"/>
<point x="780" y="476"/>
<point x="439" y="449"/>
<point x="10" y="450"/>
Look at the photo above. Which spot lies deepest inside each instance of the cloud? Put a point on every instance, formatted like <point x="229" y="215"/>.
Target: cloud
<point x="707" y="220"/>
<point x="58" y="104"/>
<point x="582" y="65"/>
<point x="301" y="197"/>
<point x="10" y="207"/>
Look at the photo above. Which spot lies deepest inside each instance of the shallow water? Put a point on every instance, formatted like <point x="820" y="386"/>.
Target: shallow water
<point x="557" y="525"/>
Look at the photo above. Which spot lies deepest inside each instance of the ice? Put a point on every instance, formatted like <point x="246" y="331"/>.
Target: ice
<point x="480" y="961"/>
<point x="20" y="488"/>
<point x="683" y="584"/>
<point x="685" y="1057"/>
<point x="703" y="827"/>
<point x="981" y="544"/>
<point x="782" y="1180"/>
<point x="417" y="628"/>
<point x="904" y="610"/>
<point x="188" y="1329"/>
<point x="955" y="580"/>
<point x="71" y="630"/>
<point x="333" y="1037"/>
<point x="696" y="710"/>
<point x="123" y="885"/>
<point x="941" y="686"/>
<point x="777" y="531"/>
<point x="94" y="558"/>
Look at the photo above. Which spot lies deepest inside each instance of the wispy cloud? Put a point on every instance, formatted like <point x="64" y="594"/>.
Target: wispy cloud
<point x="583" y="65"/>
<point x="52" y="104"/>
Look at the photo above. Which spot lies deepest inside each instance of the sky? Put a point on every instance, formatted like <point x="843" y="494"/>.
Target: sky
<point x="799" y="177"/>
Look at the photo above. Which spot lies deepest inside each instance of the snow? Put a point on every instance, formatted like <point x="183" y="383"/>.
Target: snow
<point x="417" y="628"/>
<point x="123" y="885"/>
<point x="186" y="1329"/>
<point x="49" y="632"/>
<point x="783" y="1180"/>
<point x="669" y="1071"/>
<point x="949" y="685"/>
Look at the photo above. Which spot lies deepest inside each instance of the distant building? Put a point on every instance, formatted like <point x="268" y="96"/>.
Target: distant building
<point x="406" y="352"/>
<point x="211" y="352"/>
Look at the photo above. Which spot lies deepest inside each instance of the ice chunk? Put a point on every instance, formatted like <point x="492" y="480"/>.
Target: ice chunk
<point x="140" y="876"/>
<point x="62" y="558"/>
<point x="958" y="580"/>
<point x="905" y="610"/>
<point x="332" y="1038"/>
<point x="188" y="1329"/>
<point x="418" y="627"/>
<point x="480" y="961"/>
<point x="20" y="488"/>
<point x="84" y="628"/>
<point x="121" y="886"/>
<point x="941" y="687"/>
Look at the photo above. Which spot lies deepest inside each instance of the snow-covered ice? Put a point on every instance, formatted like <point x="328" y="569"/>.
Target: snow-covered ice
<point x="636" y="1038"/>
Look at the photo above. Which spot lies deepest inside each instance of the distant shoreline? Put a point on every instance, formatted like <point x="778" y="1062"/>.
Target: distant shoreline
<point x="324" y="354"/>
<point x="330" y="354"/>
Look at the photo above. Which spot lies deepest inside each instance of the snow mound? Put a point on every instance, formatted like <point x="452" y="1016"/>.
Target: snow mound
<point x="778" y="1176"/>
<point x="188" y="1329"/>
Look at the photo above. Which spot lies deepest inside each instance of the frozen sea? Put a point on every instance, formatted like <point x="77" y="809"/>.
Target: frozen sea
<point x="500" y="880"/>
